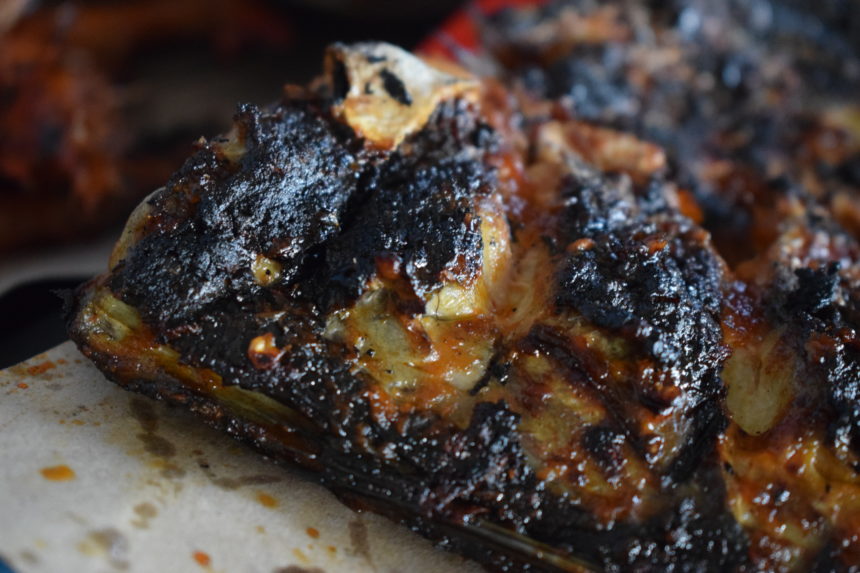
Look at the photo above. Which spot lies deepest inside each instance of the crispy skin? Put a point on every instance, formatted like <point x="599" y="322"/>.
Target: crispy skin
<point x="499" y="326"/>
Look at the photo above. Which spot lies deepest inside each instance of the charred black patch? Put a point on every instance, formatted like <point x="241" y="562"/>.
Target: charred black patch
<point x="649" y="278"/>
<point x="595" y="204"/>
<point x="340" y="81"/>
<point x="667" y="303"/>
<point x="725" y="117"/>
<point x="843" y="377"/>
<point x="426" y="222"/>
<point x="816" y="289"/>
<point x="592" y="79"/>
<point x="285" y="195"/>
<point x="418" y="211"/>
<point x="395" y="87"/>
<point x="818" y="305"/>
<point x="697" y="534"/>
<point x="604" y="445"/>
<point x="849" y="171"/>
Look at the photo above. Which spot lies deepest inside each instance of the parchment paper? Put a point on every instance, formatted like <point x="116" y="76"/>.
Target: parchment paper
<point x="93" y="478"/>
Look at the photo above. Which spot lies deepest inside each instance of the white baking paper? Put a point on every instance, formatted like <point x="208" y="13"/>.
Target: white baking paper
<point x="93" y="478"/>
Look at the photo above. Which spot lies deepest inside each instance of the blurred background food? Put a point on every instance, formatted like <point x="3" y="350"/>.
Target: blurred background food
<point x="101" y="101"/>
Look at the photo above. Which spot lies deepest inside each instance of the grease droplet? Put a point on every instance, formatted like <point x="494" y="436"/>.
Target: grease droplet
<point x="108" y="543"/>
<point x="146" y="510"/>
<point x="58" y="473"/>
<point x="313" y="532"/>
<point x="29" y="557"/>
<point x="266" y="499"/>
<point x="359" y="539"/>
<point x="23" y="385"/>
<point x="300" y="555"/>
<point x="202" y="558"/>
<point x="144" y="413"/>
<point x="157" y="446"/>
<point x="40" y="368"/>
<point x="297" y="569"/>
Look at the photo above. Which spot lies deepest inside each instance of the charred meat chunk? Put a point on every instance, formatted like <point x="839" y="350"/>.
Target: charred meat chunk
<point x="501" y="326"/>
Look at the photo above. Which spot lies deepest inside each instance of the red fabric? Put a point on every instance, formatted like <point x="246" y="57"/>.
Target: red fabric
<point x="459" y="31"/>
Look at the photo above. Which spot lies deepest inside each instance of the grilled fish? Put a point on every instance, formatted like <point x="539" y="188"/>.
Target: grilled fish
<point x="500" y="326"/>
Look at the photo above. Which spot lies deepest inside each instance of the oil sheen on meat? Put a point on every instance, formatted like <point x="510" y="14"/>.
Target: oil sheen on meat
<point x="500" y="325"/>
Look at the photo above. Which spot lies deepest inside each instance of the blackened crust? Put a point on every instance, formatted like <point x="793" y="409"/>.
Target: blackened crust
<point x="284" y="195"/>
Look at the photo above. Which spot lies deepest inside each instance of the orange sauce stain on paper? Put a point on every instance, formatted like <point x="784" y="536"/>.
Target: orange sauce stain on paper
<point x="313" y="532"/>
<point x="58" y="473"/>
<point x="300" y="555"/>
<point x="41" y="368"/>
<point x="23" y="385"/>
<point x="202" y="558"/>
<point x="266" y="500"/>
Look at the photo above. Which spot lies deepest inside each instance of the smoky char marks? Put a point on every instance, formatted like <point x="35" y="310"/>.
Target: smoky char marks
<point x="594" y="54"/>
<point x="593" y="83"/>
<point x="657" y="283"/>
<point x="305" y="194"/>
<point x="416" y="211"/>
<point x="299" y="369"/>
<point x="640" y="272"/>
<point x="301" y="189"/>
<point x="445" y="472"/>
<point x="282" y="195"/>
<point x="696" y="534"/>
<point x="421" y="224"/>
<point x="456" y="483"/>
<point x="636" y="267"/>
<point x="815" y="296"/>
<point x="449" y="482"/>
<point x="731" y="89"/>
